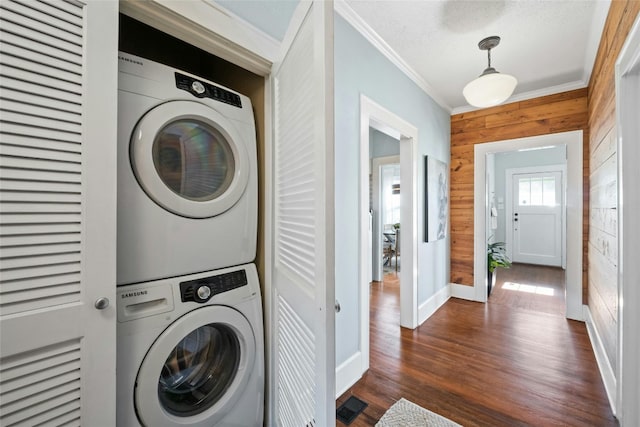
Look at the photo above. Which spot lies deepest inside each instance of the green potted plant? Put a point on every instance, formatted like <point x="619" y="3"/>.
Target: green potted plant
<point x="496" y="257"/>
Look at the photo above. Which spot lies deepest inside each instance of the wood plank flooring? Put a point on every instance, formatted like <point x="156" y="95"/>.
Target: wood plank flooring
<point x="496" y="364"/>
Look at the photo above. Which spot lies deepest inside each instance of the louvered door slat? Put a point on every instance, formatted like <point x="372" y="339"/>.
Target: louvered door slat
<point x="41" y="133"/>
<point x="44" y="53"/>
<point x="70" y="419"/>
<point x="41" y="122"/>
<point x="38" y="164"/>
<point x="36" y="261"/>
<point x="71" y="8"/>
<point x="19" y="15"/>
<point x="20" y="240"/>
<point x="20" y="251"/>
<point x="39" y="396"/>
<point x="39" y="197"/>
<point x="29" y="230"/>
<point x="42" y="41"/>
<point x="9" y="68"/>
<point x="21" y="58"/>
<point x="45" y="410"/>
<point x="38" y="63"/>
<point x="26" y="208"/>
<point x="38" y="175"/>
<point x="40" y="153"/>
<point x="30" y="141"/>
<point x="27" y="284"/>
<point x="51" y="187"/>
<point x="56" y="10"/>
<point x="47" y="384"/>
<point x="36" y="88"/>
<point x="36" y="100"/>
<point x="49" y="15"/>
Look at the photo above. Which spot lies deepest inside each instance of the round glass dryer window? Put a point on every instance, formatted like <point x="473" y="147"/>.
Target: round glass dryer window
<point x="193" y="159"/>
<point x="199" y="370"/>
<point x="190" y="159"/>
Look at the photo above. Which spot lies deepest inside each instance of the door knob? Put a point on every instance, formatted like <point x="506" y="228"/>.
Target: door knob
<point x="338" y="306"/>
<point x="101" y="303"/>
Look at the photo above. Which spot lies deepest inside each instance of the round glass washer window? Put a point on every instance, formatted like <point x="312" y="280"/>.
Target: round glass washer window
<point x="193" y="159"/>
<point x="199" y="370"/>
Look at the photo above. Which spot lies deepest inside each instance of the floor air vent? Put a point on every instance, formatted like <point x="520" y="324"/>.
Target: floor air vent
<point x="349" y="410"/>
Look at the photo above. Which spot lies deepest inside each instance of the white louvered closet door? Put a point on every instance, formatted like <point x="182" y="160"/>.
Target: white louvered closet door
<point x="58" y="84"/>
<point x="302" y="277"/>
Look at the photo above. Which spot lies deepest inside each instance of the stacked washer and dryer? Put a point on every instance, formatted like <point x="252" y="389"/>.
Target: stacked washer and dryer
<point x="190" y="330"/>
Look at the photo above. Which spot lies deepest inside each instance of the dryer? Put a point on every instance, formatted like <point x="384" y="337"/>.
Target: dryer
<point x="187" y="173"/>
<point x="191" y="351"/>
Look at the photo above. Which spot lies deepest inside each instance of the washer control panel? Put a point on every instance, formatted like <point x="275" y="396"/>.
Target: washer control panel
<point x="202" y="89"/>
<point x="203" y="289"/>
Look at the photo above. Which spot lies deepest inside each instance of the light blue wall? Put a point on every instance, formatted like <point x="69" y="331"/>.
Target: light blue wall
<point x="361" y="69"/>
<point x="520" y="159"/>
<point x="271" y="16"/>
<point x="382" y="145"/>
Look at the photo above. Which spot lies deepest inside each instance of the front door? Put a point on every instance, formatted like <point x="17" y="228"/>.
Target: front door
<point x="536" y="218"/>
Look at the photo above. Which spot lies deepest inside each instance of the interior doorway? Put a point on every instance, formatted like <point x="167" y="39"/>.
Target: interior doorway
<point x="385" y="208"/>
<point x="373" y="116"/>
<point x="573" y="201"/>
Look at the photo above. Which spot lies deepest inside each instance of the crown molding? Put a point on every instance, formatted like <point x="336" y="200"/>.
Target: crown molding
<point x="551" y="90"/>
<point x="344" y="10"/>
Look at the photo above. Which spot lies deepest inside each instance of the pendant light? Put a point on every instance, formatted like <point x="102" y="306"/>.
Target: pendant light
<point x="491" y="88"/>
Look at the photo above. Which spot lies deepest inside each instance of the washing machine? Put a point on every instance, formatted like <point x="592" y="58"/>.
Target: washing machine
<point x="191" y="351"/>
<point x="187" y="173"/>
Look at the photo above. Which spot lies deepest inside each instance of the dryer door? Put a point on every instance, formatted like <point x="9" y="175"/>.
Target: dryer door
<point x="196" y="369"/>
<point x="189" y="159"/>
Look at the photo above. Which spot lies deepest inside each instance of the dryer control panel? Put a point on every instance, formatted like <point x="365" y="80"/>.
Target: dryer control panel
<point x="203" y="289"/>
<point x="203" y="89"/>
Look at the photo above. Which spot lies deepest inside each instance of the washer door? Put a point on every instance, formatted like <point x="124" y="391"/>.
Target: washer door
<point x="189" y="159"/>
<point x="196" y="369"/>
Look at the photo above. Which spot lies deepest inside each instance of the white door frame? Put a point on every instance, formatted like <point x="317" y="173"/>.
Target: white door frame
<point x="509" y="204"/>
<point x="373" y="115"/>
<point x="376" y="182"/>
<point x="573" y="141"/>
<point x="627" y="107"/>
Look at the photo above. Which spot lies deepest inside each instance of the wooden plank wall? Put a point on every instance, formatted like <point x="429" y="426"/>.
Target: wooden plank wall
<point x="562" y="112"/>
<point x="603" y="240"/>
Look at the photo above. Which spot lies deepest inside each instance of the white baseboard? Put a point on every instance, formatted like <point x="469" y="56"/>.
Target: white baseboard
<point x="606" y="371"/>
<point x="348" y="373"/>
<point x="430" y="306"/>
<point x="463" y="291"/>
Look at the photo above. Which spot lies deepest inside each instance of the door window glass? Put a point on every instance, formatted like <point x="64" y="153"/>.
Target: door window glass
<point x="537" y="191"/>
<point x="193" y="159"/>
<point x="199" y="370"/>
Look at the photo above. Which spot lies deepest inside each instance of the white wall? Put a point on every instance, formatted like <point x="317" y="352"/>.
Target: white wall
<point x="382" y="145"/>
<point x="361" y="69"/>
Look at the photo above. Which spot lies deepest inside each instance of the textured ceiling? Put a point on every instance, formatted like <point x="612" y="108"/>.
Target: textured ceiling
<point x="547" y="45"/>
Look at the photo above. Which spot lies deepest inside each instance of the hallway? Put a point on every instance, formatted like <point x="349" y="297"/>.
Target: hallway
<point x="505" y="363"/>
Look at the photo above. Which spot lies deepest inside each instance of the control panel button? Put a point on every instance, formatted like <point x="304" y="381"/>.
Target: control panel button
<point x="197" y="87"/>
<point x="204" y="292"/>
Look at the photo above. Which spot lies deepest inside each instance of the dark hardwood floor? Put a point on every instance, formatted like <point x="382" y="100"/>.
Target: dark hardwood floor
<point x="505" y="363"/>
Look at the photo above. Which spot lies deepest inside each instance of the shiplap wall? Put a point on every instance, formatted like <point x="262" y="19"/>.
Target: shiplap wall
<point x="562" y="112"/>
<point x="603" y="240"/>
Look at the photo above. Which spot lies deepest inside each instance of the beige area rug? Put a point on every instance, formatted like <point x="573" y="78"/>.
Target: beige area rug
<point x="407" y="414"/>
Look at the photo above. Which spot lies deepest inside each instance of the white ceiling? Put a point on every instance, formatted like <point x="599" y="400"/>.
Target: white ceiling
<point x="548" y="45"/>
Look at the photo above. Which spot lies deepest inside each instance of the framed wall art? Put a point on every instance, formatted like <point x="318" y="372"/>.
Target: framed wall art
<point x="436" y="200"/>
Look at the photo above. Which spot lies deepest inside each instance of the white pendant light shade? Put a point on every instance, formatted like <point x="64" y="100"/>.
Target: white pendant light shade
<point x="489" y="89"/>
